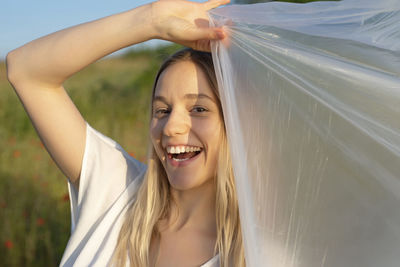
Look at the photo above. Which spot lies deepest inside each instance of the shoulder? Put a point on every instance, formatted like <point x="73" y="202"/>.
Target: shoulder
<point x="109" y="154"/>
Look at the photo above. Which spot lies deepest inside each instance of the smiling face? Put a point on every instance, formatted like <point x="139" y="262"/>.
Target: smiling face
<point x="186" y="125"/>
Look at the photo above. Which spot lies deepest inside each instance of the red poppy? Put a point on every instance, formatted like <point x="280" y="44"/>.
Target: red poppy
<point x="131" y="154"/>
<point x="16" y="154"/>
<point x="40" y="221"/>
<point x="65" y="197"/>
<point x="8" y="244"/>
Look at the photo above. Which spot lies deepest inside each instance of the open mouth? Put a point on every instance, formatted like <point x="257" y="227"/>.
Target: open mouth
<point x="179" y="154"/>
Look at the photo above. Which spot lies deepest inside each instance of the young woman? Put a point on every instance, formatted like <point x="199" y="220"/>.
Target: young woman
<point x="181" y="209"/>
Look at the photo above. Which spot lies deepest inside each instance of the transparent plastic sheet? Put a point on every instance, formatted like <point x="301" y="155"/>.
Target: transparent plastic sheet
<point x="311" y="99"/>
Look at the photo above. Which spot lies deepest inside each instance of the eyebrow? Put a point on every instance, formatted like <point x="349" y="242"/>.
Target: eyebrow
<point x="187" y="96"/>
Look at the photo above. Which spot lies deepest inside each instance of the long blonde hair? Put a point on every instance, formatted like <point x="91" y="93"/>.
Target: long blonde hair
<point x="153" y="198"/>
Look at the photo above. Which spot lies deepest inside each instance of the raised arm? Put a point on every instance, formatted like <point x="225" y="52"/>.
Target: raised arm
<point x="38" y="69"/>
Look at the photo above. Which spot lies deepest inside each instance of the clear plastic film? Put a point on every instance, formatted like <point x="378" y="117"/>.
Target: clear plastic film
<point x="311" y="100"/>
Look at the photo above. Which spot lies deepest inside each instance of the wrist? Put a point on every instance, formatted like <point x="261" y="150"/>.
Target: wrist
<point x="157" y="20"/>
<point x="142" y="23"/>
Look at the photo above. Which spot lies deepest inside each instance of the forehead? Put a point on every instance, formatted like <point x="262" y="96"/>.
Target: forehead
<point x="182" y="78"/>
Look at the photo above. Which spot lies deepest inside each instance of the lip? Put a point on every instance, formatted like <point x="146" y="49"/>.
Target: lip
<point x="182" y="163"/>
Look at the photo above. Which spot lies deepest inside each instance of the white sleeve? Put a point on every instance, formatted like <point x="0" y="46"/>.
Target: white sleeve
<point x="107" y="170"/>
<point x="108" y="183"/>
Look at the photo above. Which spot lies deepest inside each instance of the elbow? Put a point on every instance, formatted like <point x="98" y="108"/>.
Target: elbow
<point x="11" y="65"/>
<point x="23" y="69"/>
<point x="16" y="65"/>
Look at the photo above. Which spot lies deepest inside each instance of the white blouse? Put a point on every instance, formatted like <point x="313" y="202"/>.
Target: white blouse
<point x="109" y="180"/>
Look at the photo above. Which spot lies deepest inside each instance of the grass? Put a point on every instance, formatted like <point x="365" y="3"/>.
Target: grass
<point x="113" y="95"/>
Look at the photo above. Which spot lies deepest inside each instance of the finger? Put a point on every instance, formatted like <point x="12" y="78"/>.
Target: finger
<point x="227" y="40"/>
<point x="215" y="3"/>
<point x="202" y="45"/>
<point x="207" y="34"/>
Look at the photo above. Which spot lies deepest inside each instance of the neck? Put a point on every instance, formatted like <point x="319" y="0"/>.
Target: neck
<point x="194" y="208"/>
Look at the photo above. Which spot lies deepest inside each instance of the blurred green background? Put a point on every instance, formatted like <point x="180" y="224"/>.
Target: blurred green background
<point x="113" y="95"/>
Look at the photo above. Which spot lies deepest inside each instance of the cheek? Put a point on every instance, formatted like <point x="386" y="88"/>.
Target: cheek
<point x="156" y="127"/>
<point x="153" y="130"/>
<point x="155" y="136"/>
<point x="212" y="131"/>
<point x="211" y="134"/>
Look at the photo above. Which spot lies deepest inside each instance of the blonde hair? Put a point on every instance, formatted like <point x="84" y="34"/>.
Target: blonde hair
<point x="153" y="198"/>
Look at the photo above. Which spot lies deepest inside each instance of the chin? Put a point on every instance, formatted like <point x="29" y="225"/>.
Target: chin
<point x="184" y="184"/>
<point x="181" y="184"/>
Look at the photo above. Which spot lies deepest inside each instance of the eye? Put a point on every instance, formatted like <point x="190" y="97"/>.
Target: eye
<point x="199" y="109"/>
<point x="161" y="112"/>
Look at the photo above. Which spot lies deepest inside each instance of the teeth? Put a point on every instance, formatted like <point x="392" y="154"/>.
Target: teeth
<point x="179" y="159"/>
<point x="182" y="149"/>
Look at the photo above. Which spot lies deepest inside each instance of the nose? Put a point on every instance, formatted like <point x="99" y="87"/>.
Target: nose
<point x="177" y="123"/>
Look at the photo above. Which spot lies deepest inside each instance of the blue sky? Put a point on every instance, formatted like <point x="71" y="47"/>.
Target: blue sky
<point x="24" y="20"/>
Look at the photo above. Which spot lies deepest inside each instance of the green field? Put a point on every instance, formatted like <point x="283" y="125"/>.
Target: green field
<point x="113" y="95"/>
